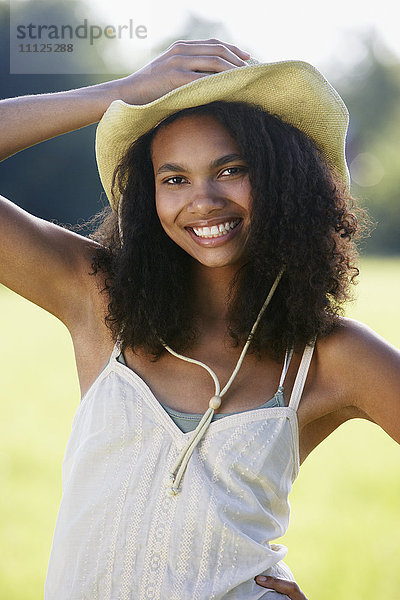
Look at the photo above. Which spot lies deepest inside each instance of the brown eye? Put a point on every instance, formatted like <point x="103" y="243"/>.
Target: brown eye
<point x="171" y="181"/>
<point x="235" y="170"/>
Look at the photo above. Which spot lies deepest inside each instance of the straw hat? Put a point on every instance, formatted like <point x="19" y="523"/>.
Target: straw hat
<point x="293" y="90"/>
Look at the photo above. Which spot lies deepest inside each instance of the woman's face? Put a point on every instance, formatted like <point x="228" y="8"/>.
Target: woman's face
<point x="203" y="194"/>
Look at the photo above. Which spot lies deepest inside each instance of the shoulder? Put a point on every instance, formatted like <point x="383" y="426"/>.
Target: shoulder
<point x="354" y="373"/>
<point x="364" y="364"/>
<point x="354" y="344"/>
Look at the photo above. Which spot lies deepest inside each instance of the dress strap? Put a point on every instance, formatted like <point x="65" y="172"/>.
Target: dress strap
<point x="301" y="376"/>
<point x="117" y="348"/>
<point x="285" y="369"/>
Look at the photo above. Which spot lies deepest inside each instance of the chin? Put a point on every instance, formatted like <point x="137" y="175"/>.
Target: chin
<point x="220" y="264"/>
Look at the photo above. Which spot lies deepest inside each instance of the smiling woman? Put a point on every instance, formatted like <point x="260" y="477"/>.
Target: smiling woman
<point x="230" y="236"/>
<point x="207" y="166"/>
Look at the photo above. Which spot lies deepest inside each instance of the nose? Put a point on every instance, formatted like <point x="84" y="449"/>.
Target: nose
<point x="205" y="199"/>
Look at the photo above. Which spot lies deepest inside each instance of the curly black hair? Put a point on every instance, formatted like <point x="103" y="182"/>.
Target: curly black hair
<point x="302" y="219"/>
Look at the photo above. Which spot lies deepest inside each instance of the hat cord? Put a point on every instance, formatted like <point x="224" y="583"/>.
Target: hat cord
<point x="182" y="460"/>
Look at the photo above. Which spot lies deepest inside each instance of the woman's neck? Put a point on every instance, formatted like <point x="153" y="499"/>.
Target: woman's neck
<point x="210" y="291"/>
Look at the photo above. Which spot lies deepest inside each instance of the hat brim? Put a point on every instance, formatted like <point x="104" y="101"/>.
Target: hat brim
<point x="293" y="90"/>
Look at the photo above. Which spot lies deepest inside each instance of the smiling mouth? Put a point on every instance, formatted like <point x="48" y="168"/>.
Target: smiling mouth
<point x="215" y="231"/>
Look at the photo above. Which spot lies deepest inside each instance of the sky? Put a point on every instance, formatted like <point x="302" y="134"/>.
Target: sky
<point x="325" y="34"/>
<point x="328" y="35"/>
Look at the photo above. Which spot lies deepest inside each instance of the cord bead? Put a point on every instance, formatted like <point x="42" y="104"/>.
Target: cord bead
<point x="215" y="402"/>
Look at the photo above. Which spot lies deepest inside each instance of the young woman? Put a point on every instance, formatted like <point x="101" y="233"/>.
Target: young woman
<point x="223" y="263"/>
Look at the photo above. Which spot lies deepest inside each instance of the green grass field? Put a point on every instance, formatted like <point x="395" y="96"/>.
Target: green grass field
<point x="344" y="537"/>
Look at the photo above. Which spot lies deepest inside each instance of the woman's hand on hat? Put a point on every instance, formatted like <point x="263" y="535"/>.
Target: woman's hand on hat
<point x="289" y="588"/>
<point x="184" y="61"/>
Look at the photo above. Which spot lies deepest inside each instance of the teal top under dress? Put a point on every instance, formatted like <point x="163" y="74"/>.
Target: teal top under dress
<point x="188" y="421"/>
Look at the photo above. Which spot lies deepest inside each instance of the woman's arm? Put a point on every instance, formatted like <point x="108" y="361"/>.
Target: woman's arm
<point x="358" y="376"/>
<point x="28" y="120"/>
<point x="371" y="369"/>
<point x="39" y="260"/>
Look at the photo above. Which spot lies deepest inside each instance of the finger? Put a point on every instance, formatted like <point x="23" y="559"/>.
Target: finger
<point x="186" y="65"/>
<point x="214" y="41"/>
<point x="290" y="588"/>
<point x="183" y="77"/>
<point x="232" y="47"/>
<point x="197" y="48"/>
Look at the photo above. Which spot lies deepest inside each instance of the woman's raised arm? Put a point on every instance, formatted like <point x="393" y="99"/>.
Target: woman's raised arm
<point x="28" y="120"/>
<point x="39" y="260"/>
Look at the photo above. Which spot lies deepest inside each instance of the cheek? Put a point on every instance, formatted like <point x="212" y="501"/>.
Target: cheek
<point x="161" y="206"/>
<point x="246" y="195"/>
<point x="166" y="209"/>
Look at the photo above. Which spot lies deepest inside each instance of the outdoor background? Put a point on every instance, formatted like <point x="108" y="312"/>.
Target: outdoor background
<point x="344" y="537"/>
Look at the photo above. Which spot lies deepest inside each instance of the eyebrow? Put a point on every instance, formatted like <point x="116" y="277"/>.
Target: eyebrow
<point x="218" y="162"/>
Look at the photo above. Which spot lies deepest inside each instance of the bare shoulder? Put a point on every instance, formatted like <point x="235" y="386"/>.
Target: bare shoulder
<point x="357" y="352"/>
<point x="355" y="373"/>
<point x="351" y="333"/>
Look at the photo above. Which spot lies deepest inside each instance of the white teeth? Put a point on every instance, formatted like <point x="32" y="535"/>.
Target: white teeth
<point x="216" y="230"/>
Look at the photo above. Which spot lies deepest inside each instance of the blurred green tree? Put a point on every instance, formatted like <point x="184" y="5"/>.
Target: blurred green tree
<point x="371" y="91"/>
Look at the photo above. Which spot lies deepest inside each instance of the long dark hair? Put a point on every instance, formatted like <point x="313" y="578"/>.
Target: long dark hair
<point x="302" y="219"/>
